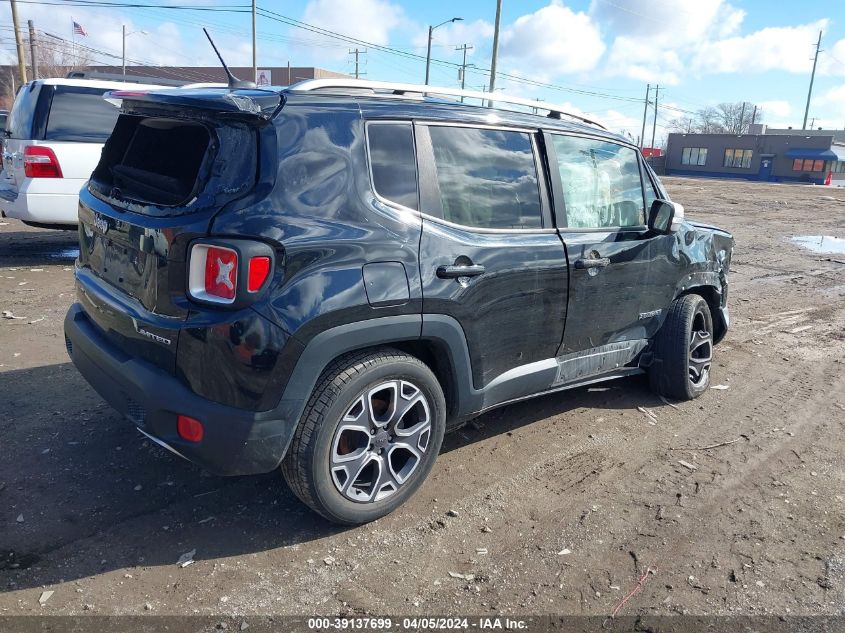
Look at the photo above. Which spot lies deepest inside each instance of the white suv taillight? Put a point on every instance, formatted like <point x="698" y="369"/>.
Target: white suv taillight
<point x="216" y="274"/>
<point x="40" y="162"/>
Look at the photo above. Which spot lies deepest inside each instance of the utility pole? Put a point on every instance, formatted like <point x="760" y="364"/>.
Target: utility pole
<point x="495" y="48"/>
<point x="812" y="78"/>
<point x="254" y="49"/>
<point x="33" y="50"/>
<point x="124" y="53"/>
<point x="742" y="118"/>
<point x="754" y="116"/>
<point x="654" y="124"/>
<point x="464" y="48"/>
<point x="18" y="42"/>
<point x="645" y="114"/>
<point x="357" y="52"/>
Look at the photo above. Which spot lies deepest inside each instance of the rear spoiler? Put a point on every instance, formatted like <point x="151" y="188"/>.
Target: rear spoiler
<point x="252" y="102"/>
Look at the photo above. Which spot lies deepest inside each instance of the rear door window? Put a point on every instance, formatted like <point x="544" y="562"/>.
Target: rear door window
<point x="393" y="162"/>
<point x="487" y="178"/>
<point x="601" y="183"/>
<point x="81" y="115"/>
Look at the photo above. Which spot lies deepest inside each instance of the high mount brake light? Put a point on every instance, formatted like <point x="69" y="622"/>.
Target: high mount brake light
<point x="223" y="274"/>
<point x="40" y="162"/>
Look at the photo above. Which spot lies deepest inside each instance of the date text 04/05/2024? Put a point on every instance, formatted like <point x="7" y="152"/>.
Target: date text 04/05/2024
<point x="416" y="623"/>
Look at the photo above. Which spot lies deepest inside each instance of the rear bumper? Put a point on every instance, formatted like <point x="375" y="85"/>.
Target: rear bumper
<point x="235" y="442"/>
<point x="59" y="205"/>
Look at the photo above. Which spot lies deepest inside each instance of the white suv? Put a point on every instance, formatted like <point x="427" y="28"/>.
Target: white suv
<point x="52" y="141"/>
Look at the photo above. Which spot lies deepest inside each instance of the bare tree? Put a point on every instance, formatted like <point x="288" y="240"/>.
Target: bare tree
<point x="726" y="118"/>
<point x="57" y="56"/>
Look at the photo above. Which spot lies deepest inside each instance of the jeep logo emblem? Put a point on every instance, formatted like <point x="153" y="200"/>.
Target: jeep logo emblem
<point x="101" y="223"/>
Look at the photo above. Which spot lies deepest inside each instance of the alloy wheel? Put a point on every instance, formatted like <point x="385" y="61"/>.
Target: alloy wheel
<point x="380" y="441"/>
<point x="700" y="351"/>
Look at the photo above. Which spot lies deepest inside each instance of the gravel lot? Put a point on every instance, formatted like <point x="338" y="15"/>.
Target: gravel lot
<point x="557" y="505"/>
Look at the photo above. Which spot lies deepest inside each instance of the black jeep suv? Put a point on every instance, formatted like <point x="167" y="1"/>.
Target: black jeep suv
<point x="326" y="278"/>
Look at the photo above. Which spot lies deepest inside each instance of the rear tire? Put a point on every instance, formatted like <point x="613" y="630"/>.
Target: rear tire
<point x="368" y="437"/>
<point x="683" y="350"/>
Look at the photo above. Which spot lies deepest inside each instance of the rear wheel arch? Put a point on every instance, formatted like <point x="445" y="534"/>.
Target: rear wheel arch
<point x="442" y="349"/>
<point x="713" y="296"/>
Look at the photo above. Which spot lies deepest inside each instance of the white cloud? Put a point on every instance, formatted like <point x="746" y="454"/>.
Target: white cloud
<point x="832" y="58"/>
<point x="776" y="48"/>
<point x="775" y="109"/>
<point x="834" y="96"/>
<point x="554" y="39"/>
<point x="368" y="20"/>
<point x="667" y="22"/>
<point x="636" y="59"/>
<point x="655" y="38"/>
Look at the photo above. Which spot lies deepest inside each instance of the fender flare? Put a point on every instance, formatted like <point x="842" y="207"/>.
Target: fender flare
<point x="443" y="331"/>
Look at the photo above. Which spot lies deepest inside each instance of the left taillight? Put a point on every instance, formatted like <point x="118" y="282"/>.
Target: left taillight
<point x="40" y="162"/>
<point x="230" y="273"/>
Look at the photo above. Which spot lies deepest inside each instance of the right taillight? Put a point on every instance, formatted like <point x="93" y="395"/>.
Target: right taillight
<point x="229" y="271"/>
<point x="40" y="162"/>
<point x="213" y="273"/>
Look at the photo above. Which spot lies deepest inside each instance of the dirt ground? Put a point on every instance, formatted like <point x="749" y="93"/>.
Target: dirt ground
<point x="557" y="505"/>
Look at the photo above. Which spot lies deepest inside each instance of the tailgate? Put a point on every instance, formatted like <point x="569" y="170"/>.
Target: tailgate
<point x="131" y="277"/>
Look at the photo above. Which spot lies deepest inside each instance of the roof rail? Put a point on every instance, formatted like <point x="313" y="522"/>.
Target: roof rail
<point x="554" y="111"/>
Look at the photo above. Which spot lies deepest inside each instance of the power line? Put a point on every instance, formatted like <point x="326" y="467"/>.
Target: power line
<point x="278" y="17"/>
<point x="138" y="5"/>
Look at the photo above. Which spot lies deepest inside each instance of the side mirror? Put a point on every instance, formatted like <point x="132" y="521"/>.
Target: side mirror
<point x="665" y="216"/>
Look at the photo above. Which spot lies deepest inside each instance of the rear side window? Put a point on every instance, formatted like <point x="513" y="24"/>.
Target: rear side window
<point x="601" y="183"/>
<point x="80" y="115"/>
<point x="487" y="178"/>
<point x="393" y="162"/>
<point x="19" y="125"/>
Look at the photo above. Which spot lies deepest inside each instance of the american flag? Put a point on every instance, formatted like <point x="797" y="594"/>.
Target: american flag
<point x="78" y="29"/>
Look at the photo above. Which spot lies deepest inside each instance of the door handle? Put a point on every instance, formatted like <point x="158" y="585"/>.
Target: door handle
<point x="453" y="272"/>
<point x="592" y="263"/>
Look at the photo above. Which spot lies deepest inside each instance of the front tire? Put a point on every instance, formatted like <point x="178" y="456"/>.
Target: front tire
<point x="683" y="351"/>
<point x="368" y="437"/>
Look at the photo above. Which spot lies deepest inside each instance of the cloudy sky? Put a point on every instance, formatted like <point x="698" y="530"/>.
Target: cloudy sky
<point x="595" y="56"/>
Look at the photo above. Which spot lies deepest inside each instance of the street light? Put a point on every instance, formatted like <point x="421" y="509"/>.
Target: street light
<point x="124" y="47"/>
<point x="428" y="54"/>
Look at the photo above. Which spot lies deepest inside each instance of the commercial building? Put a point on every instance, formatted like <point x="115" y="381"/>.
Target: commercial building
<point x="178" y="75"/>
<point x="782" y="156"/>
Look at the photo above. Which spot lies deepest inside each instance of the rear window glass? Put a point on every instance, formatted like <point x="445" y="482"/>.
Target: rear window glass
<point x="487" y="178"/>
<point x="392" y="161"/>
<point x="81" y="115"/>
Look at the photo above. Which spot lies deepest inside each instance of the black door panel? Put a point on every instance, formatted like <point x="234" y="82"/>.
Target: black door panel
<point x="487" y="213"/>
<point x="600" y="211"/>
<point x="604" y="302"/>
<point x="512" y="313"/>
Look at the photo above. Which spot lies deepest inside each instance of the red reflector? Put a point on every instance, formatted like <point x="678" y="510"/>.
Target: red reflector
<point x="189" y="429"/>
<point x="127" y="93"/>
<point x="259" y="268"/>
<point x="40" y="162"/>
<point x="221" y="272"/>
